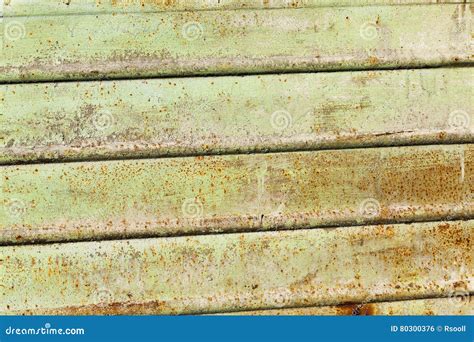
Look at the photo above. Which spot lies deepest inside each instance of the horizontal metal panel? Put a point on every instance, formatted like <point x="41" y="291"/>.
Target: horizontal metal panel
<point x="172" y="196"/>
<point x="244" y="41"/>
<point x="114" y="119"/>
<point x="232" y="272"/>
<point x="460" y="303"/>
<point x="64" y="7"/>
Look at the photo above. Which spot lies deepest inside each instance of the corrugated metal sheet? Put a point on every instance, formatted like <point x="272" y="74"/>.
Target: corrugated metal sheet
<point x="182" y="116"/>
<point x="459" y="304"/>
<point x="157" y="197"/>
<point x="240" y="271"/>
<point x="93" y="222"/>
<point x="246" y="41"/>
<point x="65" y="7"/>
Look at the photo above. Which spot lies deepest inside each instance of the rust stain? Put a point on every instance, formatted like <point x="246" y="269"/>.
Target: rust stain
<point x="353" y="268"/>
<point x="356" y="310"/>
<point x="280" y="268"/>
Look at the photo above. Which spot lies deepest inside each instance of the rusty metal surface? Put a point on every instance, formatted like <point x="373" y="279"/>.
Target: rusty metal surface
<point x="244" y="41"/>
<point x="458" y="304"/>
<point x="418" y="260"/>
<point x="65" y="7"/>
<point x="208" y="194"/>
<point x="234" y="272"/>
<point x="183" y="116"/>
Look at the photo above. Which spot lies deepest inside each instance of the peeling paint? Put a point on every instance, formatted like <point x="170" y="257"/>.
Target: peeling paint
<point x="192" y="116"/>
<point x="233" y="42"/>
<point x="235" y="272"/>
<point x="429" y="307"/>
<point x="209" y="194"/>
<point x="62" y="7"/>
<point x="66" y="229"/>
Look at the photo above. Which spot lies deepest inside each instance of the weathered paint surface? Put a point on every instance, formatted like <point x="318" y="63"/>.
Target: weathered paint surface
<point x="416" y="268"/>
<point x="458" y="304"/>
<point x="183" y="116"/>
<point x="171" y="196"/>
<point x="64" y="7"/>
<point x="233" y="272"/>
<point x="244" y="41"/>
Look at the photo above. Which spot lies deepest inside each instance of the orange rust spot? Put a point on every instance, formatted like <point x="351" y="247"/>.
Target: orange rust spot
<point x="373" y="60"/>
<point x="356" y="310"/>
<point x="116" y="308"/>
<point x="344" y="310"/>
<point x="460" y="284"/>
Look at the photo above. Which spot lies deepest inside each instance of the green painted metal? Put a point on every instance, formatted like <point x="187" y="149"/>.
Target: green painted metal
<point x="65" y="7"/>
<point x="385" y="269"/>
<point x="233" y="272"/>
<point x="157" y="197"/>
<point x="183" y="116"/>
<point x="244" y="41"/>
<point x="459" y="303"/>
